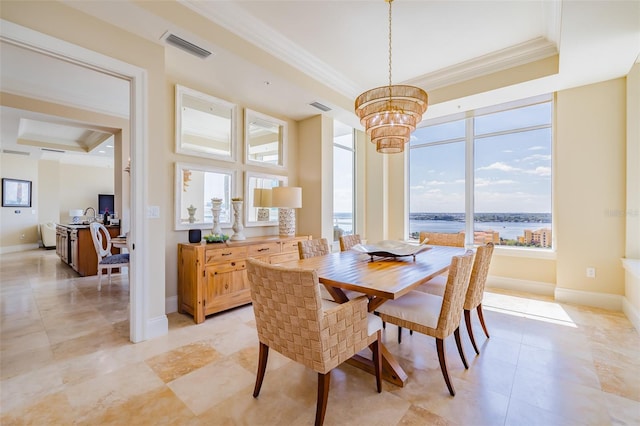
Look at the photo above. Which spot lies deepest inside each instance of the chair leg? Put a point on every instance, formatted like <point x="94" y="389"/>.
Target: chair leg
<point x="323" y="396"/>
<point x="99" y="278"/>
<point x="377" y="360"/>
<point x="443" y="365"/>
<point x="484" y="327"/>
<point x="456" y="334"/>
<point x="262" y="367"/>
<point x="384" y="325"/>
<point x="467" y="320"/>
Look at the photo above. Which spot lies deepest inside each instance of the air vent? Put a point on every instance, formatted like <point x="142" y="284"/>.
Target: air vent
<point x="320" y="106"/>
<point x="185" y="45"/>
<point x="52" y="150"/>
<point x="10" y="151"/>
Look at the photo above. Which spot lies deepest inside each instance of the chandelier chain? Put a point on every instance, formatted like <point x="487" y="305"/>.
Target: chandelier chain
<point x="390" y="1"/>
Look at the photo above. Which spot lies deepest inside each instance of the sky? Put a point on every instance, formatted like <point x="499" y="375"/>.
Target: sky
<point x="512" y="171"/>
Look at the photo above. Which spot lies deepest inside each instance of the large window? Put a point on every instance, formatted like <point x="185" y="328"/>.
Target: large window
<point x="506" y="153"/>
<point x="343" y="180"/>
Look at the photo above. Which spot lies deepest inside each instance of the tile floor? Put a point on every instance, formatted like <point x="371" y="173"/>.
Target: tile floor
<point x="66" y="359"/>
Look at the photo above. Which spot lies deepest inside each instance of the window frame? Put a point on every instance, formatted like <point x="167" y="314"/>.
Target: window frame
<point x="469" y="140"/>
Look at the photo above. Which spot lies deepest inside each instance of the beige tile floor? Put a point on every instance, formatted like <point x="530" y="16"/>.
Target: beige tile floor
<point x="66" y="359"/>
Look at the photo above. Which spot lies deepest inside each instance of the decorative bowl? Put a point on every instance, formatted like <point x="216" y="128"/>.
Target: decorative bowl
<point x="391" y="248"/>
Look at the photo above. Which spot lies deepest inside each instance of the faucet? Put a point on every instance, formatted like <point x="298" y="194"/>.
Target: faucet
<point x="94" y="214"/>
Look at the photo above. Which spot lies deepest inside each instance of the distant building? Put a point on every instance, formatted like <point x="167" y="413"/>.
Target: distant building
<point x="540" y="238"/>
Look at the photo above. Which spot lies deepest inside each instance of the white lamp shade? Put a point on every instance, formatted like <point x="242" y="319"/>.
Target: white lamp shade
<point x="75" y="212"/>
<point x="262" y="197"/>
<point x="286" y="197"/>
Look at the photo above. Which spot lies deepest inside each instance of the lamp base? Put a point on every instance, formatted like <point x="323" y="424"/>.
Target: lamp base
<point x="286" y="222"/>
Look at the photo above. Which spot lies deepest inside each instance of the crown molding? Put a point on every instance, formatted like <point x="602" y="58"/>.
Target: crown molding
<point x="520" y="54"/>
<point x="233" y="18"/>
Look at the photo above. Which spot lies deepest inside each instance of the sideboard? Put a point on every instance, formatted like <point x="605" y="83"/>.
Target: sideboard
<point x="213" y="277"/>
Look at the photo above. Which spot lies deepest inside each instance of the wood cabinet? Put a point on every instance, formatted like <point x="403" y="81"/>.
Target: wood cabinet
<point x="213" y="277"/>
<point x="75" y="247"/>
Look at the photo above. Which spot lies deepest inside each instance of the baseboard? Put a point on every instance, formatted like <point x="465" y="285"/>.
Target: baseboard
<point x="611" y="302"/>
<point x="156" y="327"/>
<point x="527" y="286"/>
<point x="632" y="313"/>
<point x="171" y="304"/>
<point x="20" y="247"/>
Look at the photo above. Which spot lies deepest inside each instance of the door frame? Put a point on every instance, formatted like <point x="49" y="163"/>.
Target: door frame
<point x="138" y="121"/>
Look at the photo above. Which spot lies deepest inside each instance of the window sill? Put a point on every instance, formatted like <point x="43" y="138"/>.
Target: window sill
<point x="632" y="265"/>
<point x="531" y="253"/>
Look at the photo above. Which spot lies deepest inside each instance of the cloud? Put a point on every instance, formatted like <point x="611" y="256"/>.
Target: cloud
<point x="507" y="150"/>
<point x="436" y="182"/>
<point x="537" y="148"/>
<point x="537" y="157"/>
<point x="416" y="187"/>
<point x="540" y="171"/>
<point x="499" y="165"/>
<point x="482" y="182"/>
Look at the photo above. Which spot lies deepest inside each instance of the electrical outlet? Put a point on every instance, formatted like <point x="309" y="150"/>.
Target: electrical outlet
<point x="22" y="237"/>
<point x="591" y="272"/>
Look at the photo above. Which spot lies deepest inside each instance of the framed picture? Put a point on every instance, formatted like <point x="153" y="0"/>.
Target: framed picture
<point x="16" y="193"/>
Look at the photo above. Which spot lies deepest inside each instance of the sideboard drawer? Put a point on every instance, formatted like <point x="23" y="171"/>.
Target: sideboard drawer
<point x="225" y="253"/>
<point x="265" y="249"/>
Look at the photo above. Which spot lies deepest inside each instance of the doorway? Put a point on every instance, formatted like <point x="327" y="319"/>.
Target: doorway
<point x="39" y="42"/>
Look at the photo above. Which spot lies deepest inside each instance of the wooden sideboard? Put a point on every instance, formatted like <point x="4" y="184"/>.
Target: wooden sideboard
<point x="75" y="247"/>
<point x="213" y="277"/>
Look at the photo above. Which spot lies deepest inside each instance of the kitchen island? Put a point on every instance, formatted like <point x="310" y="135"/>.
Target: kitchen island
<point x="75" y="247"/>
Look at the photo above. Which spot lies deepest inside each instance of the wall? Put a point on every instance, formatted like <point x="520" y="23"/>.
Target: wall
<point x="589" y="188"/>
<point x="80" y="186"/>
<point x="19" y="226"/>
<point x="631" y="304"/>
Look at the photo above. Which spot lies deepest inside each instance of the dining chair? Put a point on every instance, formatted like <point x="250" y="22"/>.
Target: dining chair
<point x="436" y="316"/>
<point x="348" y="241"/>
<point x="320" y="247"/>
<point x="106" y="260"/>
<point x="292" y="319"/>
<point x="473" y="298"/>
<point x="312" y="248"/>
<point x="443" y="238"/>
<point x="438" y="239"/>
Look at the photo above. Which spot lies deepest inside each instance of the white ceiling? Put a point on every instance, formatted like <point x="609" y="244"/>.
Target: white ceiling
<point x="331" y="51"/>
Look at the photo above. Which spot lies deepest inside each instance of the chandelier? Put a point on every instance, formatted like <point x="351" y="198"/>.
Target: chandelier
<point x="390" y="113"/>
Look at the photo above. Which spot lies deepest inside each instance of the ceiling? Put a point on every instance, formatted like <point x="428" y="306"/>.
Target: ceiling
<point x="279" y="56"/>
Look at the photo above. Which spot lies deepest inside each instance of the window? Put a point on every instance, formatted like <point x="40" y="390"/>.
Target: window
<point x="343" y="180"/>
<point x="506" y="152"/>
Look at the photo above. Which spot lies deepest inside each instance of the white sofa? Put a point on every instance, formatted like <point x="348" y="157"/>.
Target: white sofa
<point x="48" y="234"/>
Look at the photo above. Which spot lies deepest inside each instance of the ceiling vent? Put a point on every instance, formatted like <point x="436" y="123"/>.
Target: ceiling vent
<point x="321" y="107"/>
<point x="185" y="45"/>
<point x="59" y="151"/>
<point x="11" y="151"/>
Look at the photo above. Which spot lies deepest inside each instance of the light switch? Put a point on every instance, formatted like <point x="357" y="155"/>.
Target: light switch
<point x="153" y="212"/>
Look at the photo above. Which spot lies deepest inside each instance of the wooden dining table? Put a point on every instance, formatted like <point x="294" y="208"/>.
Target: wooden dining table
<point x="381" y="279"/>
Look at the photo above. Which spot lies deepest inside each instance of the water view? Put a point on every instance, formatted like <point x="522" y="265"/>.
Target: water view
<point x="501" y="228"/>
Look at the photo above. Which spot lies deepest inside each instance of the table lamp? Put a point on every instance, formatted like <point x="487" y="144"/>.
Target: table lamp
<point x="75" y="214"/>
<point x="286" y="198"/>
<point x="262" y="199"/>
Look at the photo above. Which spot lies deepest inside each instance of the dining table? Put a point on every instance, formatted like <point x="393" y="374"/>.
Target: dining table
<point x="380" y="279"/>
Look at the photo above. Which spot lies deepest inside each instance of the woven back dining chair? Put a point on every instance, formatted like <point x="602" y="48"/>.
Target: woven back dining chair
<point x="443" y="238"/>
<point x="348" y="241"/>
<point x="293" y="320"/>
<point x="312" y="248"/>
<point x="436" y="316"/>
<point x="473" y="298"/>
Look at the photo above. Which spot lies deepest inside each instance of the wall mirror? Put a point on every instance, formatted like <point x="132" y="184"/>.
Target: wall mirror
<point x="256" y="213"/>
<point x="195" y="186"/>
<point x="205" y="125"/>
<point x="265" y="139"/>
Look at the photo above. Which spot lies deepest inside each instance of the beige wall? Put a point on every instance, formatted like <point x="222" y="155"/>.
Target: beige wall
<point x="19" y="226"/>
<point x="589" y="189"/>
